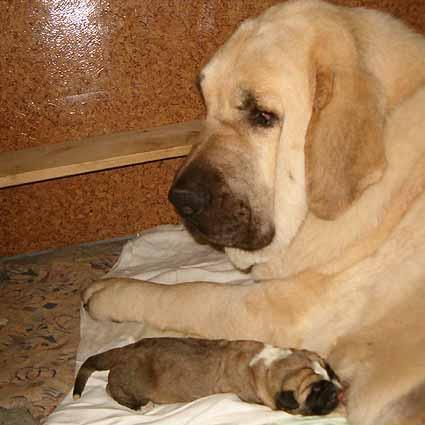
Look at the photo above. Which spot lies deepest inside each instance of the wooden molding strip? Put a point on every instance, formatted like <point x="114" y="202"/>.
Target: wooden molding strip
<point x="96" y="153"/>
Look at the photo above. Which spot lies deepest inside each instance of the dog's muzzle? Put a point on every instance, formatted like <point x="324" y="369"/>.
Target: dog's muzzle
<point x="323" y="398"/>
<point x="189" y="202"/>
<point x="209" y="207"/>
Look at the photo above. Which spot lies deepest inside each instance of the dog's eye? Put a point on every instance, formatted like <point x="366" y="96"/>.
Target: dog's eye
<point x="260" y="118"/>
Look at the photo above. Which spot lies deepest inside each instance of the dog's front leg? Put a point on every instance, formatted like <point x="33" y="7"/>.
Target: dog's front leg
<point x="275" y="311"/>
<point x="204" y="309"/>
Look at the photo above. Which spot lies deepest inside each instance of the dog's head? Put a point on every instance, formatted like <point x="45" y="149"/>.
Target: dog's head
<point x="294" y="124"/>
<point x="296" y="381"/>
<point x="310" y="392"/>
<point x="322" y="399"/>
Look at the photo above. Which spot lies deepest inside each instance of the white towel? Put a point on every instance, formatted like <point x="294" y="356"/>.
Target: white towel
<point x="167" y="255"/>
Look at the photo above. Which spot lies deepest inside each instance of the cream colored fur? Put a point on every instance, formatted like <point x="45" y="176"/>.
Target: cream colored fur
<point x="351" y="287"/>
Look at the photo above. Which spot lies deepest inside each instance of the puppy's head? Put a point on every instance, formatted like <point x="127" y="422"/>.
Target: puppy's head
<point x="323" y="398"/>
<point x="312" y="390"/>
<point x="299" y="383"/>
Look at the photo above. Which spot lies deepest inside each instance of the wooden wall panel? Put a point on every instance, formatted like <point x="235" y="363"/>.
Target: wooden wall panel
<point x="71" y="69"/>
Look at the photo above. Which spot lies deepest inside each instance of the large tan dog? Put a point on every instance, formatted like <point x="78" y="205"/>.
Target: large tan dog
<point x="310" y="170"/>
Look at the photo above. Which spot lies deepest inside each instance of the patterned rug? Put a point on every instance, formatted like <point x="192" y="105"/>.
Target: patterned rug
<point x="39" y="322"/>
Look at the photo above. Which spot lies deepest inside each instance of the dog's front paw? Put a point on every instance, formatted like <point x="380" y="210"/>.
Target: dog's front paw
<point x="103" y="300"/>
<point x="92" y="289"/>
<point x="116" y="299"/>
<point x="99" y="306"/>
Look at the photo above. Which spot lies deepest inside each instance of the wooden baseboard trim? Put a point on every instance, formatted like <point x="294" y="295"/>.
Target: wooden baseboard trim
<point x="96" y="153"/>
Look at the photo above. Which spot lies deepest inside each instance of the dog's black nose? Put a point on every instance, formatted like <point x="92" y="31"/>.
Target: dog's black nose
<point x="187" y="201"/>
<point x="323" y="398"/>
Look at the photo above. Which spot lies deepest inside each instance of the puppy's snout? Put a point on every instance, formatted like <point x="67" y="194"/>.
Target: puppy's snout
<point x="188" y="201"/>
<point x="323" y="398"/>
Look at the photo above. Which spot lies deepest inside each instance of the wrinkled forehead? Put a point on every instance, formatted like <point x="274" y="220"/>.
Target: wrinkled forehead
<point x="260" y="60"/>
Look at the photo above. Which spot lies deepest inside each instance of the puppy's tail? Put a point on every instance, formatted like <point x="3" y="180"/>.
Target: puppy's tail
<point x="102" y="361"/>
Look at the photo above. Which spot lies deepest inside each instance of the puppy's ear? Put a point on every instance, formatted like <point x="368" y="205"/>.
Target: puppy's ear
<point x="344" y="151"/>
<point x="263" y="382"/>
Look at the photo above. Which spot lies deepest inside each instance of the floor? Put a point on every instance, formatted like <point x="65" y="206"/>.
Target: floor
<point x="39" y="322"/>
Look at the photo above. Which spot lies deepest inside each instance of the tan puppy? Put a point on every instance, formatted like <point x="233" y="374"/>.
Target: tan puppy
<point x="172" y="370"/>
<point x="311" y="172"/>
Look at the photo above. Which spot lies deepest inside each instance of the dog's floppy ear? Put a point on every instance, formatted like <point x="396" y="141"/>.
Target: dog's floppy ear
<point x="344" y="151"/>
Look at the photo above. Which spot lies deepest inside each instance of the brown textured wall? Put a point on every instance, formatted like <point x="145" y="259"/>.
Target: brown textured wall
<point x="70" y="69"/>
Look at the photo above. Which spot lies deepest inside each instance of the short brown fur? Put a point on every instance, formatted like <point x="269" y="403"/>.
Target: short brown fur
<point x="173" y="370"/>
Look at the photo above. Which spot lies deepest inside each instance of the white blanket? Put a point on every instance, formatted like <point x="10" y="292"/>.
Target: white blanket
<point x="165" y="255"/>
